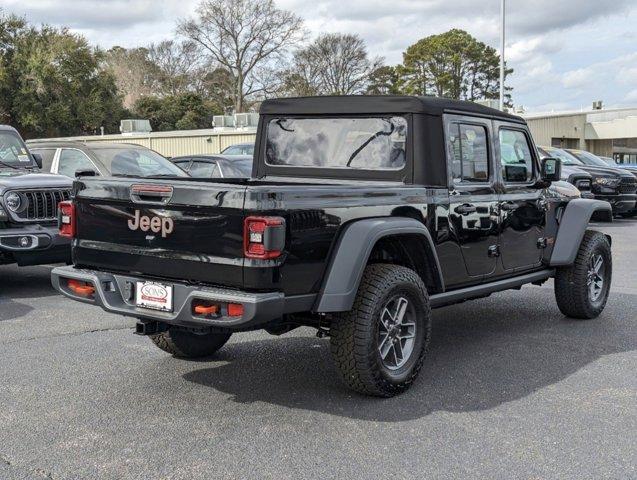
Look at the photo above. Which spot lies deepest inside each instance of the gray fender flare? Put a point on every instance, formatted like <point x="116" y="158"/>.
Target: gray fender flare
<point x="349" y="259"/>
<point x="573" y="224"/>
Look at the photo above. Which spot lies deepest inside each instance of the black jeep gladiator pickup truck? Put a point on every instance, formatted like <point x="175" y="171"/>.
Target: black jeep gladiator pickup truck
<point x="28" y="206"/>
<point x="362" y="214"/>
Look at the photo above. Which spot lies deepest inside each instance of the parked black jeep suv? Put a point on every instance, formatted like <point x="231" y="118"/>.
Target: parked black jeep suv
<point x="571" y="172"/>
<point x="362" y="214"/>
<point x="28" y="206"/>
<point x="613" y="185"/>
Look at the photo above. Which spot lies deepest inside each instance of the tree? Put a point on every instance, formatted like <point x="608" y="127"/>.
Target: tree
<point x="297" y="84"/>
<point x="334" y="64"/>
<point x="302" y="79"/>
<point x="135" y="74"/>
<point x="453" y="64"/>
<point x="54" y="84"/>
<point x="185" y="111"/>
<point x="11" y="28"/>
<point x="216" y="85"/>
<point x="176" y="64"/>
<point x="384" y="80"/>
<point x="243" y="36"/>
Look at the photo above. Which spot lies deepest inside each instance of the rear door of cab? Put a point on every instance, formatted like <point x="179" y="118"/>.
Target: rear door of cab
<point x="473" y="198"/>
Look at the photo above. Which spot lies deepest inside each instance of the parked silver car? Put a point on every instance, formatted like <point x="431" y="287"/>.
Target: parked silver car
<point x="106" y="159"/>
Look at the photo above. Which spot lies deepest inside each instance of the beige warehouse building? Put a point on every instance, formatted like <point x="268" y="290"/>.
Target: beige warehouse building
<point x="178" y="142"/>
<point x="608" y="132"/>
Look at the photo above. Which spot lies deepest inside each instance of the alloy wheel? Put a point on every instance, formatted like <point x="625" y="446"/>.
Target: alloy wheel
<point x="396" y="332"/>
<point x="595" y="280"/>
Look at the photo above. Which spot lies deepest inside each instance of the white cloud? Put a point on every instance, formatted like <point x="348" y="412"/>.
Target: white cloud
<point x="89" y="14"/>
<point x="627" y="74"/>
<point x="577" y="78"/>
<point x="107" y="22"/>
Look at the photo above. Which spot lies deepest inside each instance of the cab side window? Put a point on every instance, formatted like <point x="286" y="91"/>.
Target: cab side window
<point x="515" y="156"/>
<point x="469" y="153"/>
<point x="72" y="160"/>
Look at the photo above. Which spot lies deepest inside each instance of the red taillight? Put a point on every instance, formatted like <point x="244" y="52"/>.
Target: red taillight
<point x="263" y="237"/>
<point x="66" y="219"/>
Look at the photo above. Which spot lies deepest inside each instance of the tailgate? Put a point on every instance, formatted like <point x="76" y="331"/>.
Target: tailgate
<point x="187" y="231"/>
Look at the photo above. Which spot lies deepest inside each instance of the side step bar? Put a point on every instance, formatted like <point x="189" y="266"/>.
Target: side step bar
<point x="483" y="290"/>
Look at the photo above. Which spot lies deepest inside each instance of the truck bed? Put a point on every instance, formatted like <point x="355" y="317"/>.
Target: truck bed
<point x="206" y="242"/>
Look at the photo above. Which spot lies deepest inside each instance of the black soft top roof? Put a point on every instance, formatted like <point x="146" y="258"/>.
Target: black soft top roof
<point x="375" y="104"/>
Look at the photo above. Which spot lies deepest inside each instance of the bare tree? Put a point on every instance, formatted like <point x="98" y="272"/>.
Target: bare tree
<point x="335" y="64"/>
<point x="215" y="84"/>
<point x="243" y="36"/>
<point x="303" y="78"/>
<point x="134" y="73"/>
<point x="176" y="64"/>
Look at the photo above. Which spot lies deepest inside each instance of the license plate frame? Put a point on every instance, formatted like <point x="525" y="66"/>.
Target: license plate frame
<point x="154" y="296"/>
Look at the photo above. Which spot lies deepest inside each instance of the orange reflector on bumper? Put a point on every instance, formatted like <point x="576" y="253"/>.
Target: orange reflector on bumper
<point x="206" y="309"/>
<point x="82" y="289"/>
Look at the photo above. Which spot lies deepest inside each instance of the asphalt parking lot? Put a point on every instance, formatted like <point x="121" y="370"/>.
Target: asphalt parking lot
<point x="511" y="389"/>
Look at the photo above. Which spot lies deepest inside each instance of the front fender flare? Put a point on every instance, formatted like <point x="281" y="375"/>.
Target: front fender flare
<point x="573" y="224"/>
<point x="352" y="252"/>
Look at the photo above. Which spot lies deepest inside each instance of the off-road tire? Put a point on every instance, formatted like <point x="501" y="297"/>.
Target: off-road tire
<point x="571" y="288"/>
<point x="354" y="334"/>
<point x="185" y="344"/>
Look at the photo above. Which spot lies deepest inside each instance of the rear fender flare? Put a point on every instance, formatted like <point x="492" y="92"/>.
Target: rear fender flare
<point x="573" y="224"/>
<point x="352" y="253"/>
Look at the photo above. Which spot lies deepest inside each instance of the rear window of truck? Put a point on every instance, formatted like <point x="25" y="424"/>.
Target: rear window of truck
<point x="374" y="143"/>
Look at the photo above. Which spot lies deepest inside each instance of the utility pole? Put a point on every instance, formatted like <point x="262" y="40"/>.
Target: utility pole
<point x="502" y="30"/>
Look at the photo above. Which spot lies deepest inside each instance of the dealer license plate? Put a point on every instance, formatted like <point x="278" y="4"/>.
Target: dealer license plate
<point x="155" y="296"/>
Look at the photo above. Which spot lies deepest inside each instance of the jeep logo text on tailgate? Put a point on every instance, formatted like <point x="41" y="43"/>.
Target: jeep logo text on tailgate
<point x="141" y="222"/>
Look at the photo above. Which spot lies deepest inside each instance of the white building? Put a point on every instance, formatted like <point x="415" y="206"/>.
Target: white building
<point x="605" y="132"/>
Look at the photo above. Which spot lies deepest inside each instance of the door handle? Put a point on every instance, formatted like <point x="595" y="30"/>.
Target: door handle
<point x="465" y="209"/>
<point x="509" y="206"/>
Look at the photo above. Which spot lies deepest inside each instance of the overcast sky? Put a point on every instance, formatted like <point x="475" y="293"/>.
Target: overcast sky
<point x="566" y="53"/>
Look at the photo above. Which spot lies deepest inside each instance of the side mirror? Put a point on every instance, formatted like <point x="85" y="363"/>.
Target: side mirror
<point x="85" y="172"/>
<point x="551" y="169"/>
<point x="38" y="159"/>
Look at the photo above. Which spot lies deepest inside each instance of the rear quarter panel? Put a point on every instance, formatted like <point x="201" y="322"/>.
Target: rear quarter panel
<point x="314" y="217"/>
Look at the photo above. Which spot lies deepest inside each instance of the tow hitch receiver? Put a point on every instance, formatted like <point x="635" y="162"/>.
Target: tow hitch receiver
<point x="150" y="328"/>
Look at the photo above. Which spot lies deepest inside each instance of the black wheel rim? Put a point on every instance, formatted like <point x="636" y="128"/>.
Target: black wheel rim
<point x="396" y="332"/>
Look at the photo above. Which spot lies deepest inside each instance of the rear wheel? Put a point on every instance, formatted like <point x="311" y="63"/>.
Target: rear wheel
<point x="581" y="289"/>
<point x="187" y="344"/>
<point x="379" y="346"/>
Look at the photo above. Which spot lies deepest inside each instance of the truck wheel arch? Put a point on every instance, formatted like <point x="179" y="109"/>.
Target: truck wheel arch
<point x="573" y="224"/>
<point x="352" y="253"/>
